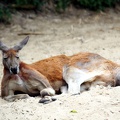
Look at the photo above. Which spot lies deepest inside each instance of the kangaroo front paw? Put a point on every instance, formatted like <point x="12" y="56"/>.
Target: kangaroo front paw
<point x="47" y="100"/>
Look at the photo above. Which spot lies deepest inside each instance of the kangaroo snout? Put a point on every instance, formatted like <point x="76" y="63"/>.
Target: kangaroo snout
<point x="14" y="70"/>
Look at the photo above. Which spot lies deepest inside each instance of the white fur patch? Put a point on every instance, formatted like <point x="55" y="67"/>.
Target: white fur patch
<point x="75" y="77"/>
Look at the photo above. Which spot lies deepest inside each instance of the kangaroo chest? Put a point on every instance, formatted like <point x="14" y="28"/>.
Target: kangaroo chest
<point x="18" y="83"/>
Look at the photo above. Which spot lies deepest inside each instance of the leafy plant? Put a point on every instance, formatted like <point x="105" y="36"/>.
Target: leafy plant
<point x="97" y="4"/>
<point x="62" y="4"/>
<point x="5" y="14"/>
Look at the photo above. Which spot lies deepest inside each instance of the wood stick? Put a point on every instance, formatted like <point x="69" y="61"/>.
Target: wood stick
<point x="31" y="33"/>
<point x="22" y="6"/>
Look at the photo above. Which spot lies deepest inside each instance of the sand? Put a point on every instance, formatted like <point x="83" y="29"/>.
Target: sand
<point x="65" y="34"/>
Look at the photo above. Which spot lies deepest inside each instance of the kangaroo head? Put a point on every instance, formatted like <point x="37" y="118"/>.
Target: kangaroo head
<point x="10" y="58"/>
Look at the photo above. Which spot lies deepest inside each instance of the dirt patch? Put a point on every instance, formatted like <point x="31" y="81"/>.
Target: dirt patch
<point x="52" y="35"/>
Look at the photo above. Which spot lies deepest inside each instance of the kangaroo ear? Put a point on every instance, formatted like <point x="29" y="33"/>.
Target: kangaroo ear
<point x="3" y="47"/>
<point x="21" y="44"/>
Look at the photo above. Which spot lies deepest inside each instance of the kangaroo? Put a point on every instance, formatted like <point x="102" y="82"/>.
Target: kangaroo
<point x="68" y="74"/>
<point x="19" y="76"/>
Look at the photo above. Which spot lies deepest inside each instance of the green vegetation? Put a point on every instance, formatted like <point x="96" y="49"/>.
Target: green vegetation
<point x="97" y="4"/>
<point x="8" y="6"/>
<point x="5" y="13"/>
<point x="62" y="4"/>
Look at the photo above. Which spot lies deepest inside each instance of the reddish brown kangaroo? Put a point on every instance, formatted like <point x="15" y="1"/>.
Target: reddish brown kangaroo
<point x="19" y="76"/>
<point x="71" y="73"/>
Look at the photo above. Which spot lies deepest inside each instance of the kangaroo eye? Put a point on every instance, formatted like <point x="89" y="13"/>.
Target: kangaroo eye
<point x="5" y="58"/>
<point x="17" y="57"/>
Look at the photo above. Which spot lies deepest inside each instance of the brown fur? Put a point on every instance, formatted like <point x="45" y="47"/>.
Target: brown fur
<point x="54" y="72"/>
<point x="52" y="68"/>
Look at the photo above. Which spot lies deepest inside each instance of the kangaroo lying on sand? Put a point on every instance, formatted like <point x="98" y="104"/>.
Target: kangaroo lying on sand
<point x="46" y="77"/>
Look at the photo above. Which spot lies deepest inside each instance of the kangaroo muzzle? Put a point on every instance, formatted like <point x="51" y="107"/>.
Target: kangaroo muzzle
<point x="14" y="70"/>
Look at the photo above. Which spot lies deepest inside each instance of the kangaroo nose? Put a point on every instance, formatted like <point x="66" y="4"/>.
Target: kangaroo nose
<point x="14" y="70"/>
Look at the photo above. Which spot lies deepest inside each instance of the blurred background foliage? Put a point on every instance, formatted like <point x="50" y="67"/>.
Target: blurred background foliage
<point x="7" y="7"/>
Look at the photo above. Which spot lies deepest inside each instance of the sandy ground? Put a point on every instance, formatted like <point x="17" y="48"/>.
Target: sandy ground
<point x="65" y="34"/>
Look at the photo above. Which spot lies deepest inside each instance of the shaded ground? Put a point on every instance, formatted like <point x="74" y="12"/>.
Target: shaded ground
<point x="65" y="34"/>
